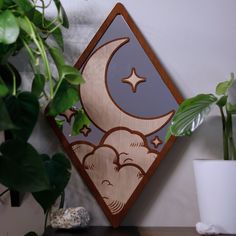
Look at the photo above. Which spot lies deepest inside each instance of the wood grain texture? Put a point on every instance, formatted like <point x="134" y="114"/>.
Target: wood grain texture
<point x="116" y="219"/>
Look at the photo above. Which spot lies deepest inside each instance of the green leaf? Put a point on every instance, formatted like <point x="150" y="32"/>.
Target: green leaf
<point x="59" y="123"/>
<point x="26" y="26"/>
<point x="74" y="79"/>
<point x="223" y="87"/>
<point x="57" y="57"/>
<point x="231" y="108"/>
<point x="168" y="134"/>
<point x="65" y="21"/>
<point x="71" y="74"/>
<point x="40" y="21"/>
<point x="23" y="110"/>
<point x="66" y="96"/>
<point x="31" y="234"/>
<point x="6" y="51"/>
<point x="7" y="76"/>
<point x="62" y="14"/>
<point x="5" y="120"/>
<point x="24" y="5"/>
<point x="57" y="35"/>
<point x="7" y="4"/>
<point x="48" y="25"/>
<point x="191" y="113"/>
<point x="3" y="88"/>
<point x="1" y="3"/>
<point x="58" y="170"/>
<point x="62" y="161"/>
<point x="69" y="70"/>
<point x="21" y="167"/>
<point x="9" y="29"/>
<point x="38" y="84"/>
<point x="81" y="119"/>
<point x="222" y="101"/>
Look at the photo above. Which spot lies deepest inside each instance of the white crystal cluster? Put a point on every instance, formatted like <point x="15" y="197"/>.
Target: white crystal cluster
<point x="206" y="229"/>
<point x="69" y="218"/>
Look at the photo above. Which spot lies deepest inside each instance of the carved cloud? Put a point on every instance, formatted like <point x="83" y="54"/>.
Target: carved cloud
<point x="117" y="165"/>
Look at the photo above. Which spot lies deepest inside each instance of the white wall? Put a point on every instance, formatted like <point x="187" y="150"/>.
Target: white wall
<point x="195" y="41"/>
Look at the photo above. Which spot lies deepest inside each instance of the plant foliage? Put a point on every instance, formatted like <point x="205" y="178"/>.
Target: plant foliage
<point x="193" y="111"/>
<point x="24" y="25"/>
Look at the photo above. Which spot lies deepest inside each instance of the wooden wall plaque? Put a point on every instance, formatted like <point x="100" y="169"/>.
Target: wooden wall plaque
<point x="130" y="101"/>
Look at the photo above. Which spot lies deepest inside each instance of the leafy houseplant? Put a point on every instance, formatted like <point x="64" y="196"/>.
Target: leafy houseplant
<point x="214" y="179"/>
<point x="25" y="26"/>
<point x="193" y="111"/>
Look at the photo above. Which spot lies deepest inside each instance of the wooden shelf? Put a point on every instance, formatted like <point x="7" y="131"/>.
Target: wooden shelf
<point x="125" y="231"/>
<point x="170" y="231"/>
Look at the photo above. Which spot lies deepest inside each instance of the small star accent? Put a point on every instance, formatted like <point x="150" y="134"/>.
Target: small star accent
<point x="68" y="114"/>
<point x="156" y="141"/>
<point x="133" y="80"/>
<point x="85" y="130"/>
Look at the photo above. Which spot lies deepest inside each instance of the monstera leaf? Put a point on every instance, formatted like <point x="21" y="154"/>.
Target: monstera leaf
<point x="191" y="113"/>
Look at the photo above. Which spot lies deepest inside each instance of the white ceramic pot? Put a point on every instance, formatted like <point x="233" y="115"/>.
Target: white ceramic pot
<point x="216" y="189"/>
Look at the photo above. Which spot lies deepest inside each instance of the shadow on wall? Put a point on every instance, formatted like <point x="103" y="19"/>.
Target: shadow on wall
<point x="207" y="139"/>
<point x="84" y="23"/>
<point x="155" y="186"/>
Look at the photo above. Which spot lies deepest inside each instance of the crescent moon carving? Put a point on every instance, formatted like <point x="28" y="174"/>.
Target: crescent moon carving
<point x="97" y="102"/>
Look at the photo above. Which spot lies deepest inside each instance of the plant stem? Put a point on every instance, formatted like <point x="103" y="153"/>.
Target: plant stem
<point x="62" y="200"/>
<point x="233" y="149"/>
<point x="37" y="6"/>
<point x="43" y="12"/>
<point x="58" y="85"/>
<point x="230" y="136"/>
<point x="14" y="80"/>
<point x="46" y="64"/>
<point x="33" y="59"/>
<point x="1" y="194"/>
<point x="225" y="140"/>
<point x="51" y="23"/>
<point x="53" y="29"/>
<point x="39" y="43"/>
<point x="46" y="219"/>
<point x="45" y="95"/>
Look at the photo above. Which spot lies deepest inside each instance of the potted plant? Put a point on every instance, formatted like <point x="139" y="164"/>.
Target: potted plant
<point x="24" y="25"/>
<point x="215" y="179"/>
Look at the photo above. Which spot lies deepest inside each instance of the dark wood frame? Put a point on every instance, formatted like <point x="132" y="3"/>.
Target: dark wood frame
<point x="119" y="9"/>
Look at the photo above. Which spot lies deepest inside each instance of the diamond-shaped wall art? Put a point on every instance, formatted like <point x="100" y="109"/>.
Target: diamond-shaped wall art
<point x="130" y="101"/>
